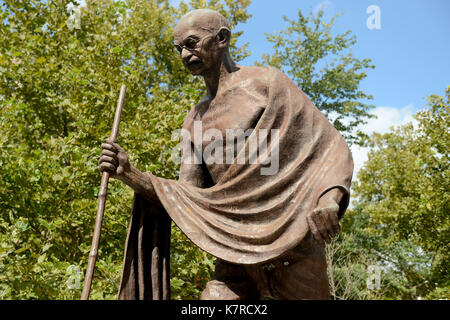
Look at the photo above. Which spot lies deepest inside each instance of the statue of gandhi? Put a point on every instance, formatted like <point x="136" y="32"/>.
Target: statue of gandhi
<point x="267" y="230"/>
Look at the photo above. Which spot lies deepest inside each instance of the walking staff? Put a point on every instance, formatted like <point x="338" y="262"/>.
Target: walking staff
<point x="101" y="204"/>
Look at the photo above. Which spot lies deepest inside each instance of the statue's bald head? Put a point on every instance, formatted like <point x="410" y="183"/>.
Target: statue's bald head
<point x="202" y="38"/>
<point x="200" y="21"/>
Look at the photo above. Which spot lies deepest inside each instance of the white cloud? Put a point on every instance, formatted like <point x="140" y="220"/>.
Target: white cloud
<point x="387" y="117"/>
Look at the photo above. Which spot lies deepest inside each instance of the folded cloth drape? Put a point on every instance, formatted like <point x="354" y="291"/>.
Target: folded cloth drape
<point x="146" y="269"/>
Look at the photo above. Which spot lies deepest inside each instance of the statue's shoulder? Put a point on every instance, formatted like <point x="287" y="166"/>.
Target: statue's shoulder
<point x="263" y="79"/>
<point x="265" y="74"/>
<point x="254" y="79"/>
<point x="193" y="113"/>
<point x="189" y="119"/>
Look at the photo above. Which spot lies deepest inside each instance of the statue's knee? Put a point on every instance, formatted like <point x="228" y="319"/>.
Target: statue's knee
<point x="218" y="290"/>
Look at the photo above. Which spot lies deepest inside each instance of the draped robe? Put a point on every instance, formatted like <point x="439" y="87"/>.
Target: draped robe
<point x="237" y="213"/>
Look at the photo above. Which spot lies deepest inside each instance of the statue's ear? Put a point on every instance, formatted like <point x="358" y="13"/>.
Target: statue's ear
<point x="223" y="37"/>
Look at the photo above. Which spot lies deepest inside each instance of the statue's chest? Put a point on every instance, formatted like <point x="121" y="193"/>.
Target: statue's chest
<point x="234" y="111"/>
<point x="229" y="118"/>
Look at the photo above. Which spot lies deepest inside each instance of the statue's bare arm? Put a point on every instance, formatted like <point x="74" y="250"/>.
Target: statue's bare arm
<point x="114" y="160"/>
<point x="191" y="173"/>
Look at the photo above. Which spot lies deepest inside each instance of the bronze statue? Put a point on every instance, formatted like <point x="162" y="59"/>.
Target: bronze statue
<point x="264" y="217"/>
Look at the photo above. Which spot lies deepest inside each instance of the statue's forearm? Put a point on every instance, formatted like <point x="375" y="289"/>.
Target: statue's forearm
<point x="331" y="198"/>
<point x="141" y="183"/>
<point x="333" y="195"/>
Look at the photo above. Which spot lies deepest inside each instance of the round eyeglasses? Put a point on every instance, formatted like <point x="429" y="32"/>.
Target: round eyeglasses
<point x="191" y="44"/>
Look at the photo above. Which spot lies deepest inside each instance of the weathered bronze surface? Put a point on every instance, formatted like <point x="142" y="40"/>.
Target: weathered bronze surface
<point x="265" y="222"/>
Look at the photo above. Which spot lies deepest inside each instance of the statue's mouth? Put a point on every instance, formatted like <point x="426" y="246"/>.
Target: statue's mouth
<point x="194" y="63"/>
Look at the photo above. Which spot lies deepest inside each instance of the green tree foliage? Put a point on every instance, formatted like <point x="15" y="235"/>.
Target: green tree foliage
<point x="348" y="259"/>
<point x="324" y="67"/>
<point x="404" y="267"/>
<point x="59" y="88"/>
<point x="403" y="187"/>
<point x="58" y="93"/>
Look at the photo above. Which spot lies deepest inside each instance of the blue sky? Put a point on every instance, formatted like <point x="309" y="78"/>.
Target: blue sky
<point x="411" y="51"/>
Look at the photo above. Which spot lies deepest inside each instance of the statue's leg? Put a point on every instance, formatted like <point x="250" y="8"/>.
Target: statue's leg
<point x="301" y="273"/>
<point x="231" y="282"/>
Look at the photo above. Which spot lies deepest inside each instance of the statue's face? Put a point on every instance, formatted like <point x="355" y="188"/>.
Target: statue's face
<point x="197" y="47"/>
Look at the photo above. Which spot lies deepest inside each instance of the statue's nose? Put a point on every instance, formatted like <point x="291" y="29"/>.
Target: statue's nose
<point x="186" y="54"/>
